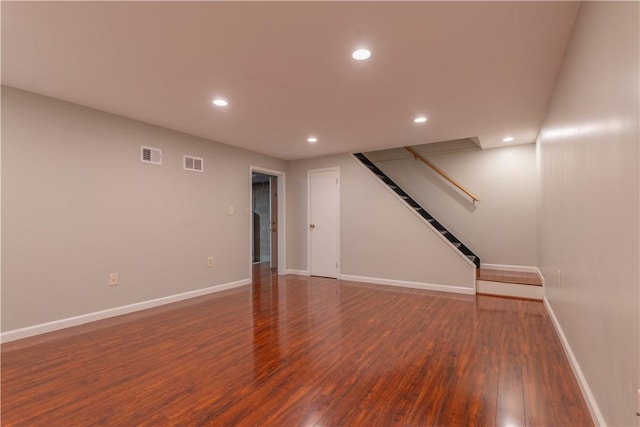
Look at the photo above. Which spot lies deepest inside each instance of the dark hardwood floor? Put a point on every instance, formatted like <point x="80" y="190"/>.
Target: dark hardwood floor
<point x="298" y="351"/>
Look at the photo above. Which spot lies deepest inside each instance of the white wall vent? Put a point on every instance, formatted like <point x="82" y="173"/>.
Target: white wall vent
<point x="193" y="164"/>
<point x="150" y="155"/>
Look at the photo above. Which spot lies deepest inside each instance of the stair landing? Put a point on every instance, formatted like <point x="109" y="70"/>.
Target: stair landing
<point x="514" y="284"/>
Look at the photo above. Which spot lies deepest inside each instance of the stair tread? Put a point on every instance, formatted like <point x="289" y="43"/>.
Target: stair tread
<point x="513" y="277"/>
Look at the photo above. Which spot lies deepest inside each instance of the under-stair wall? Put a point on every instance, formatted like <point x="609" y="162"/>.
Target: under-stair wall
<point x="381" y="240"/>
<point x="429" y="219"/>
<point x="501" y="227"/>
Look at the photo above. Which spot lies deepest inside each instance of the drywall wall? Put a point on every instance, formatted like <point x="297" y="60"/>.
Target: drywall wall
<point x="501" y="227"/>
<point x="380" y="238"/>
<point x="77" y="204"/>
<point x="588" y="217"/>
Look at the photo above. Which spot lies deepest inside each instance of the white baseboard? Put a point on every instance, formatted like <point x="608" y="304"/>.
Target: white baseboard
<point x="598" y="419"/>
<point x="405" y="284"/>
<point x="505" y="267"/>
<point x="298" y="272"/>
<point x="42" y="328"/>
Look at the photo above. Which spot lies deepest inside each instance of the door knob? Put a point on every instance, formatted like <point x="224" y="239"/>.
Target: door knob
<point x="312" y="225"/>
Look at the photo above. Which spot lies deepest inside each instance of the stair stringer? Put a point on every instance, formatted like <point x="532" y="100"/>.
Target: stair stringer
<point x="413" y="210"/>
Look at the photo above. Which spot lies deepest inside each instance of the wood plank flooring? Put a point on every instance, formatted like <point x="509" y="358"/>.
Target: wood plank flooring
<point x="299" y="351"/>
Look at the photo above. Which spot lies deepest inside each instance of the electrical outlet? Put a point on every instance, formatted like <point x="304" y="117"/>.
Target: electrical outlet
<point x="210" y="262"/>
<point x="230" y="210"/>
<point x="113" y="279"/>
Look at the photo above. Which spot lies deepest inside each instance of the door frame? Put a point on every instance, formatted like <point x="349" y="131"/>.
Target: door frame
<point x="273" y="240"/>
<point x="309" y="172"/>
<point x="281" y="230"/>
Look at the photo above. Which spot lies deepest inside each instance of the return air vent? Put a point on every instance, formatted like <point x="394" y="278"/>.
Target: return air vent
<point x="195" y="164"/>
<point x="150" y="155"/>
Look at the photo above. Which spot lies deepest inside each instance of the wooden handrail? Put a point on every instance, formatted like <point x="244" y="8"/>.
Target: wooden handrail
<point x="418" y="156"/>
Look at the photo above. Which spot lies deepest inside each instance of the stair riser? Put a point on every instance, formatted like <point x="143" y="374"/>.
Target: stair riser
<point x="509" y="289"/>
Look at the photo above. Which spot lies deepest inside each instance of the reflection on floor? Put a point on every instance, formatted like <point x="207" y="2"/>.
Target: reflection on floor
<point x="295" y="350"/>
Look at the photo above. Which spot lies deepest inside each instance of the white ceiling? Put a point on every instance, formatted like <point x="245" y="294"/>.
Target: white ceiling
<point x="475" y="69"/>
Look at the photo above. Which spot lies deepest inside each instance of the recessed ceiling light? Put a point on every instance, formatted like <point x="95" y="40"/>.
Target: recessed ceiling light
<point x="220" y="102"/>
<point x="508" y="139"/>
<point x="361" y="54"/>
<point x="312" y="139"/>
<point x="420" y="119"/>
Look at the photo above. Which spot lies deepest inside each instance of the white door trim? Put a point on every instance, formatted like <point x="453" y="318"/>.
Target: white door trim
<point x="309" y="172"/>
<point x="282" y="232"/>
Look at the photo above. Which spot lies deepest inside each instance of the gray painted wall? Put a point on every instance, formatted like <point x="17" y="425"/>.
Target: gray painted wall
<point x="501" y="227"/>
<point x="589" y="192"/>
<point x="77" y="204"/>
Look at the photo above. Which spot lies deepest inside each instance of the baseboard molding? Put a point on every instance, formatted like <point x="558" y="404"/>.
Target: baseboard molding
<point x="297" y="272"/>
<point x="505" y="267"/>
<point x="55" y="325"/>
<point x="598" y="419"/>
<point x="405" y="284"/>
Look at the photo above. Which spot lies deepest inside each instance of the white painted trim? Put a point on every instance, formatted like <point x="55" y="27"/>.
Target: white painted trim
<point x="516" y="290"/>
<point x="596" y="415"/>
<point x="282" y="219"/>
<point x="55" y="325"/>
<point x="414" y="285"/>
<point x="338" y="216"/>
<point x="404" y="203"/>
<point x="540" y="276"/>
<point x="505" y="267"/>
<point x="298" y="272"/>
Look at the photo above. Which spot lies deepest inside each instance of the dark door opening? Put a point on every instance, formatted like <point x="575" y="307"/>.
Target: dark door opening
<point x="264" y="195"/>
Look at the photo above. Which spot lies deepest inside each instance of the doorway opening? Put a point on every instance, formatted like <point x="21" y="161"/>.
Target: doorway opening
<point x="267" y="220"/>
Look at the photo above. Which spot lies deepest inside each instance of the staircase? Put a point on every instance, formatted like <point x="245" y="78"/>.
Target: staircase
<point x="419" y="209"/>
<point x="509" y="284"/>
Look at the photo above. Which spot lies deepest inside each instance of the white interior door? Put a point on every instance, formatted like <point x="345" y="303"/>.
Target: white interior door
<point x="323" y="232"/>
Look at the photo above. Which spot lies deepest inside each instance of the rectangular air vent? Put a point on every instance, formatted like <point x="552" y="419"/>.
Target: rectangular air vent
<point x="193" y="163"/>
<point x="150" y="155"/>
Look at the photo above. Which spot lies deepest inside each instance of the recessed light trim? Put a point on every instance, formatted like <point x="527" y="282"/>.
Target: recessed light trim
<point x="220" y="102"/>
<point x="312" y="139"/>
<point x="420" y="119"/>
<point x="361" y="54"/>
<point x="508" y="139"/>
